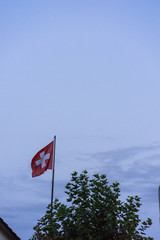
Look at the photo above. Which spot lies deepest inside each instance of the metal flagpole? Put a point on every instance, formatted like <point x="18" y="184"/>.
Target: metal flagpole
<point x="53" y="167"/>
<point x="159" y="202"/>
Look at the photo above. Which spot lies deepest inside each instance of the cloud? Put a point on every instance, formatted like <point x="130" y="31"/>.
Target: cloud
<point x="137" y="169"/>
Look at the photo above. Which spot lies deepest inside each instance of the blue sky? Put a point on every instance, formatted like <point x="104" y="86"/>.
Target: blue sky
<point x="87" y="71"/>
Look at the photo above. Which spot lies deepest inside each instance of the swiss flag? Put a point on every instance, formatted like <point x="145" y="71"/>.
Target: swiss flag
<point x="42" y="160"/>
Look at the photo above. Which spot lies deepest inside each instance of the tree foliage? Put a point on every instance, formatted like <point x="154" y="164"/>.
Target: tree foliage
<point x="94" y="212"/>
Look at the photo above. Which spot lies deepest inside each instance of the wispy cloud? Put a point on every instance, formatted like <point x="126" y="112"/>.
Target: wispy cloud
<point x="137" y="168"/>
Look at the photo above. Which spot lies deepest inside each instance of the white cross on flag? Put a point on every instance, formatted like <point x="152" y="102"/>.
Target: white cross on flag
<point x="42" y="160"/>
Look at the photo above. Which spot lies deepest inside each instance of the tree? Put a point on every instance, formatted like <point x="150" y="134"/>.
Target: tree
<point x="94" y="212"/>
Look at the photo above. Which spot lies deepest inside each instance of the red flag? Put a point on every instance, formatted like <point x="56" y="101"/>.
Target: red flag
<point x="42" y="160"/>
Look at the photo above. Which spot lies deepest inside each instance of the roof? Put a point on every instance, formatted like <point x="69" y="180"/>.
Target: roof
<point x="7" y="230"/>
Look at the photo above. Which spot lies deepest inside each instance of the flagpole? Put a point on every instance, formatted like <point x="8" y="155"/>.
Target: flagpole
<point x="159" y="202"/>
<point x="53" y="167"/>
